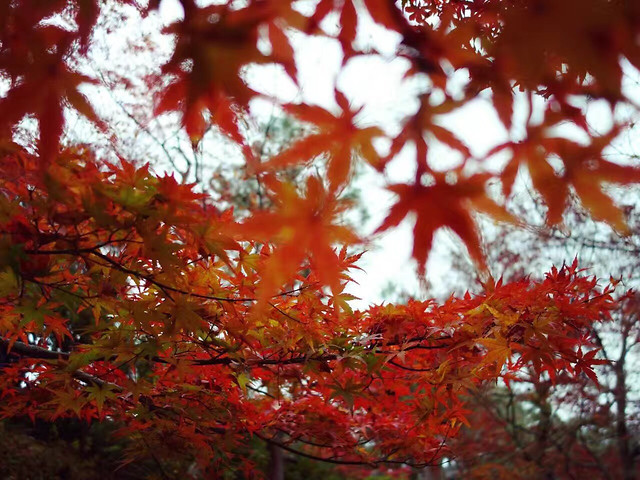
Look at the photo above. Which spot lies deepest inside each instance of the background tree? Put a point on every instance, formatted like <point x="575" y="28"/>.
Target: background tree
<point x="560" y="427"/>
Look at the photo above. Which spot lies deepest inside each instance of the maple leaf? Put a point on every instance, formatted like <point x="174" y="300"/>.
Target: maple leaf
<point x="417" y="13"/>
<point x="8" y="282"/>
<point x="386" y="14"/>
<point x="42" y="92"/>
<point x="206" y="67"/>
<point x="66" y="399"/>
<point x="498" y="351"/>
<point x="338" y="137"/>
<point x="348" y="21"/>
<point x="31" y="13"/>
<point x="531" y="153"/>
<point x="584" y="168"/>
<point x="586" y="171"/>
<point x="425" y="121"/>
<point x="444" y="205"/>
<point x="300" y="226"/>
<point x="100" y="393"/>
<point x="573" y="37"/>
<point x="214" y="44"/>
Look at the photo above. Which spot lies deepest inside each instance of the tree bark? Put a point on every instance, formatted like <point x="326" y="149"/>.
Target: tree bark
<point x="622" y="433"/>
<point x="276" y="462"/>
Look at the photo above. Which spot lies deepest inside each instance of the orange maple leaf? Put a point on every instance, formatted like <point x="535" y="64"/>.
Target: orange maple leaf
<point x="425" y="121"/>
<point x="338" y="137"/>
<point x="584" y="168"/>
<point x="300" y="226"/>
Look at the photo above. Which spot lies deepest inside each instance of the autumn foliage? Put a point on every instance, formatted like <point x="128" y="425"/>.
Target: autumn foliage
<point x="129" y="296"/>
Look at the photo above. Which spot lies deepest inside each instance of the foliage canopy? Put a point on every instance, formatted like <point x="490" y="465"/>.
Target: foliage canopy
<point x="129" y="296"/>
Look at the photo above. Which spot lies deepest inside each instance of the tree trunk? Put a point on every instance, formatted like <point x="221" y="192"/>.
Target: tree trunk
<point x="276" y="462"/>
<point x="622" y="433"/>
